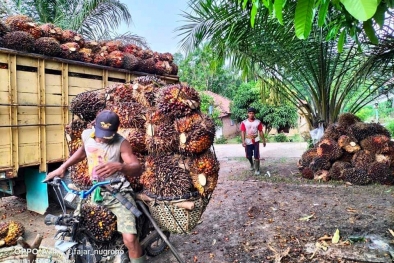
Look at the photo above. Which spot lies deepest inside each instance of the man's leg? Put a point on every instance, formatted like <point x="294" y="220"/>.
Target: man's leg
<point x="256" y="149"/>
<point x="134" y="248"/>
<point x="249" y="155"/>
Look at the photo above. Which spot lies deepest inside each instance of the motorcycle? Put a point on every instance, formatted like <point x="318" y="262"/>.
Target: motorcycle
<point x="80" y="246"/>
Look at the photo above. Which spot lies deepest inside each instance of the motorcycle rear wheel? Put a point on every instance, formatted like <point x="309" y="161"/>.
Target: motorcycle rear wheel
<point x="154" y="243"/>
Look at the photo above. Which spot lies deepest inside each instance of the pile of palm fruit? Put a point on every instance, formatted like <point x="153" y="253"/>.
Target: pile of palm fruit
<point x="10" y="232"/>
<point x="23" y="34"/>
<point x="166" y="130"/>
<point x="168" y="133"/>
<point x="351" y="151"/>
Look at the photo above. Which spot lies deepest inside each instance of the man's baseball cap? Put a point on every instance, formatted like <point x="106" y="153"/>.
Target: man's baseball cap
<point x="107" y="124"/>
<point x="252" y="110"/>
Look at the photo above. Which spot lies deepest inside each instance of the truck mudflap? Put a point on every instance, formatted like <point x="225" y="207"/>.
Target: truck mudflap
<point x="36" y="191"/>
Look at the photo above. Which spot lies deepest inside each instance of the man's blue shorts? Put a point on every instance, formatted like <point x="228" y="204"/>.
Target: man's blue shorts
<point x="253" y="150"/>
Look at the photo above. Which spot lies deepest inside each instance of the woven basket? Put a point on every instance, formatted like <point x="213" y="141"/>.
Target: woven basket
<point x="16" y="254"/>
<point x="177" y="219"/>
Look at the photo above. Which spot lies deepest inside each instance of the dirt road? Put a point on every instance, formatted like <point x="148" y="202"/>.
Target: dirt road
<point x="271" y="219"/>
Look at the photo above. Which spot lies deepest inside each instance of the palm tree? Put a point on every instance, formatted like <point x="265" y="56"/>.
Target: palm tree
<point x="308" y="71"/>
<point x="94" y="19"/>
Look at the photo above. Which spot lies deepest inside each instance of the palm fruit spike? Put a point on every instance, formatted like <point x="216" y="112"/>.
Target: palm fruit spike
<point x="348" y="143"/>
<point x="136" y="137"/>
<point x="307" y="158"/>
<point x="70" y="50"/>
<point x="307" y="173"/>
<point x="100" y="58"/>
<point x="320" y="163"/>
<point x="115" y="59"/>
<point x="376" y="144"/>
<point x="347" y="119"/>
<point x="4" y="29"/>
<point x="19" y="40"/>
<point x="48" y="46"/>
<point x="329" y="148"/>
<point x="163" y="177"/>
<point x="379" y="173"/>
<point x="131" y="114"/>
<point x="80" y="174"/>
<point x="87" y="104"/>
<point x="86" y="55"/>
<point x="334" y="131"/>
<point x="131" y="62"/>
<point x="93" y="45"/>
<point x="337" y="168"/>
<point x="362" y="158"/>
<point x="72" y="36"/>
<point x="199" y="137"/>
<point x="50" y="30"/>
<point x="162" y="137"/>
<point x="363" y="130"/>
<point x="178" y="100"/>
<point x="356" y="176"/>
<point x="99" y="221"/>
<point x="147" y="65"/>
<point x="15" y="230"/>
<point x="146" y="89"/>
<point x="3" y="229"/>
<point x="204" y="171"/>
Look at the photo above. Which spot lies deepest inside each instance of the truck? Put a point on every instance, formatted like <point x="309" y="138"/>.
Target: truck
<point x="35" y="94"/>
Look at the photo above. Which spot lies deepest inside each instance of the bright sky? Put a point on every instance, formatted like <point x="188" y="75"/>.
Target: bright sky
<point x="156" y="21"/>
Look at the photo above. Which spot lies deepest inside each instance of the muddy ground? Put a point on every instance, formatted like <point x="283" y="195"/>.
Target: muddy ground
<point x="271" y="219"/>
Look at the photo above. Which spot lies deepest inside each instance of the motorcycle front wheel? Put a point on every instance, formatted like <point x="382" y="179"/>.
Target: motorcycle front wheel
<point x="83" y="252"/>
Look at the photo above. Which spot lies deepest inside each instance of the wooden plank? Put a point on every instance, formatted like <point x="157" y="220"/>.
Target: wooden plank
<point x="53" y="65"/>
<point x="14" y="152"/>
<point x="5" y="118"/>
<point x="28" y="135"/>
<point x="26" y="61"/>
<point x="5" y="157"/>
<point x="53" y="84"/>
<point x="84" y="70"/>
<point x="27" y="81"/>
<point x="5" y="138"/>
<point x="4" y="81"/>
<point x="75" y="90"/>
<point x="84" y="83"/>
<point x="65" y="112"/>
<point x="42" y="117"/>
<point x="5" y="97"/>
<point x="3" y="58"/>
<point x="28" y="119"/>
<point x="55" y="134"/>
<point x="29" y="98"/>
<point x="53" y="99"/>
<point x="118" y="75"/>
<point x="28" y="154"/>
<point x="54" y="152"/>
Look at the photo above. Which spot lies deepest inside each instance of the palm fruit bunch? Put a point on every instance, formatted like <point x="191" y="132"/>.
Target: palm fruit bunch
<point x="99" y="221"/>
<point x="337" y="168"/>
<point x="48" y="46"/>
<point x="23" y="23"/>
<point x="86" y="55"/>
<point x="50" y="30"/>
<point x="329" y="148"/>
<point x="113" y="45"/>
<point x="80" y="174"/>
<point x="356" y="176"/>
<point x="164" y="177"/>
<point x="10" y="232"/>
<point x="93" y="46"/>
<point x="161" y="137"/>
<point x="73" y="133"/>
<point x="4" y="29"/>
<point x="119" y="93"/>
<point x="130" y="62"/>
<point x="307" y="173"/>
<point x="146" y="89"/>
<point x="115" y="59"/>
<point x="204" y="171"/>
<point x="100" y="58"/>
<point x="136" y="137"/>
<point x="364" y="150"/>
<point x="87" y="104"/>
<point x="131" y="114"/>
<point x="70" y="50"/>
<point x="178" y="100"/>
<point x="19" y="40"/>
<point x="379" y="173"/>
<point x="72" y="36"/>
<point x="196" y="133"/>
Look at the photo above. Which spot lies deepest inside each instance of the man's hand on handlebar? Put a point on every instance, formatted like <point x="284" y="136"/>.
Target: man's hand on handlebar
<point x="59" y="172"/>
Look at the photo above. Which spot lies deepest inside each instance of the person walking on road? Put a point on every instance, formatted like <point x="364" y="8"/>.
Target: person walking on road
<point x="251" y="134"/>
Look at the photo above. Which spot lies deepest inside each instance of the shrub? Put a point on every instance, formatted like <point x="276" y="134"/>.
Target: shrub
<point x="390" y="127"/>
<point x="281" y="137"/>
<point x="221" y="140"/>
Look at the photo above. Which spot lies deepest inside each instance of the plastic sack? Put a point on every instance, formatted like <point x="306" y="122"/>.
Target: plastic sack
<point x="317" y="133"/>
